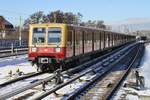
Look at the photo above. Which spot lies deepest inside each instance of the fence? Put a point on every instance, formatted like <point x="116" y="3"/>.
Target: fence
<point x="15" y="43"/>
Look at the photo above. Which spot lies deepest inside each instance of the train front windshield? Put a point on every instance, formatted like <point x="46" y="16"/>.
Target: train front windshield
<point x="54" y="35"/>
<point x="38" y="35"/>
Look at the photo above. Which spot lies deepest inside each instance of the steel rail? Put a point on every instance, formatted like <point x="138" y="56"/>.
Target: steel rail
<point x="99" y="76"/>
<point x="19" y="79"/>
<point x="123" y="77"/>
<point x="71" y="80"/>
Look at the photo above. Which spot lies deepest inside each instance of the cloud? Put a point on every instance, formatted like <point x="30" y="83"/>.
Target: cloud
<point x="130" y="21"/>
<point x="131" y="24"/>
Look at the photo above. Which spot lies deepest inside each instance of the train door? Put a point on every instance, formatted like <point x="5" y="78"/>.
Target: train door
<point x="69" y="43"/>
<point x="78" y="42"/>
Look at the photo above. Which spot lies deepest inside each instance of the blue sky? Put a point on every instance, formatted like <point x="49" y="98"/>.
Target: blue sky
<point x="107" y="10"/>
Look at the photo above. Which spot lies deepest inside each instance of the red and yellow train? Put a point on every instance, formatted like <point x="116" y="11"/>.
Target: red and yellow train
<point x="52" y="45"/>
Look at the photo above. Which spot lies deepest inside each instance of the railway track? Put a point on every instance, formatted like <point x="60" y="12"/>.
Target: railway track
<point x="106" y="85"/>
<point x="90" y="68"/>
<point x="11" y="86"/>
<point x="20" y="79"/>
<point x="132" y="64"/>
<point x="98" y="70"/>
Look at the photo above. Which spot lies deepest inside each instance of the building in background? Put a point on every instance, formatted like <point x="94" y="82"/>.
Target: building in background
<point x="4" y="26"/>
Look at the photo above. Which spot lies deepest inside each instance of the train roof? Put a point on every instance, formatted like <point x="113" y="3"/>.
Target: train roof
<point x="76" y="26"/>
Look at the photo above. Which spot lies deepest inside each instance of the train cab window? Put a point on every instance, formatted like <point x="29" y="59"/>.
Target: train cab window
<point x="39" y="35"/>
<point x="54" y="35"/>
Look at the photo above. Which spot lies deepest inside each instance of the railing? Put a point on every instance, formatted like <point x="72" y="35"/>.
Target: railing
<point x="7" y="52"/>
<point x="5" y="43"/>
<point x="13" y="50"/>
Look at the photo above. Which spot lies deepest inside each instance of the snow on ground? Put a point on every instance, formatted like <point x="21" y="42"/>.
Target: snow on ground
<point x="132" y="94"/>
<point x="146" y="66"/>
<point x="13" y="64"/>
<point x="131" y="97"/>
<point x="13" y="60"/>
<point x="21" y="62"/>
<point x="23" y="83"/>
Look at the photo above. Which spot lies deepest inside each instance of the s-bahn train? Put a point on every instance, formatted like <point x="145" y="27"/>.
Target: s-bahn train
<point x="53" y="45"/>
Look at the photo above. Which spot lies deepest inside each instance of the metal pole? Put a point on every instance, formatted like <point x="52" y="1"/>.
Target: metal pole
<point x="12" y="48"/>
<point x="20" y="33"/>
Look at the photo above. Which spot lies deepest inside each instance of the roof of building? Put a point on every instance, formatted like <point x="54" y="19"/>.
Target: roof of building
<point x="6" y="22"/>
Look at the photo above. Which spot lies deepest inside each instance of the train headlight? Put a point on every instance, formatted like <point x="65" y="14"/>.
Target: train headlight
<point x="57" y="49"/>
<point x="34" y="49"/>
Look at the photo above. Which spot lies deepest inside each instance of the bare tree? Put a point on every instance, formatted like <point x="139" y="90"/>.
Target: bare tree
<point x="95" y="24"/>
<point x="34" y="18"/>
<point x="55" y="17"/>
<point x="63" y="17"/>
<point x="100" y="24"/>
